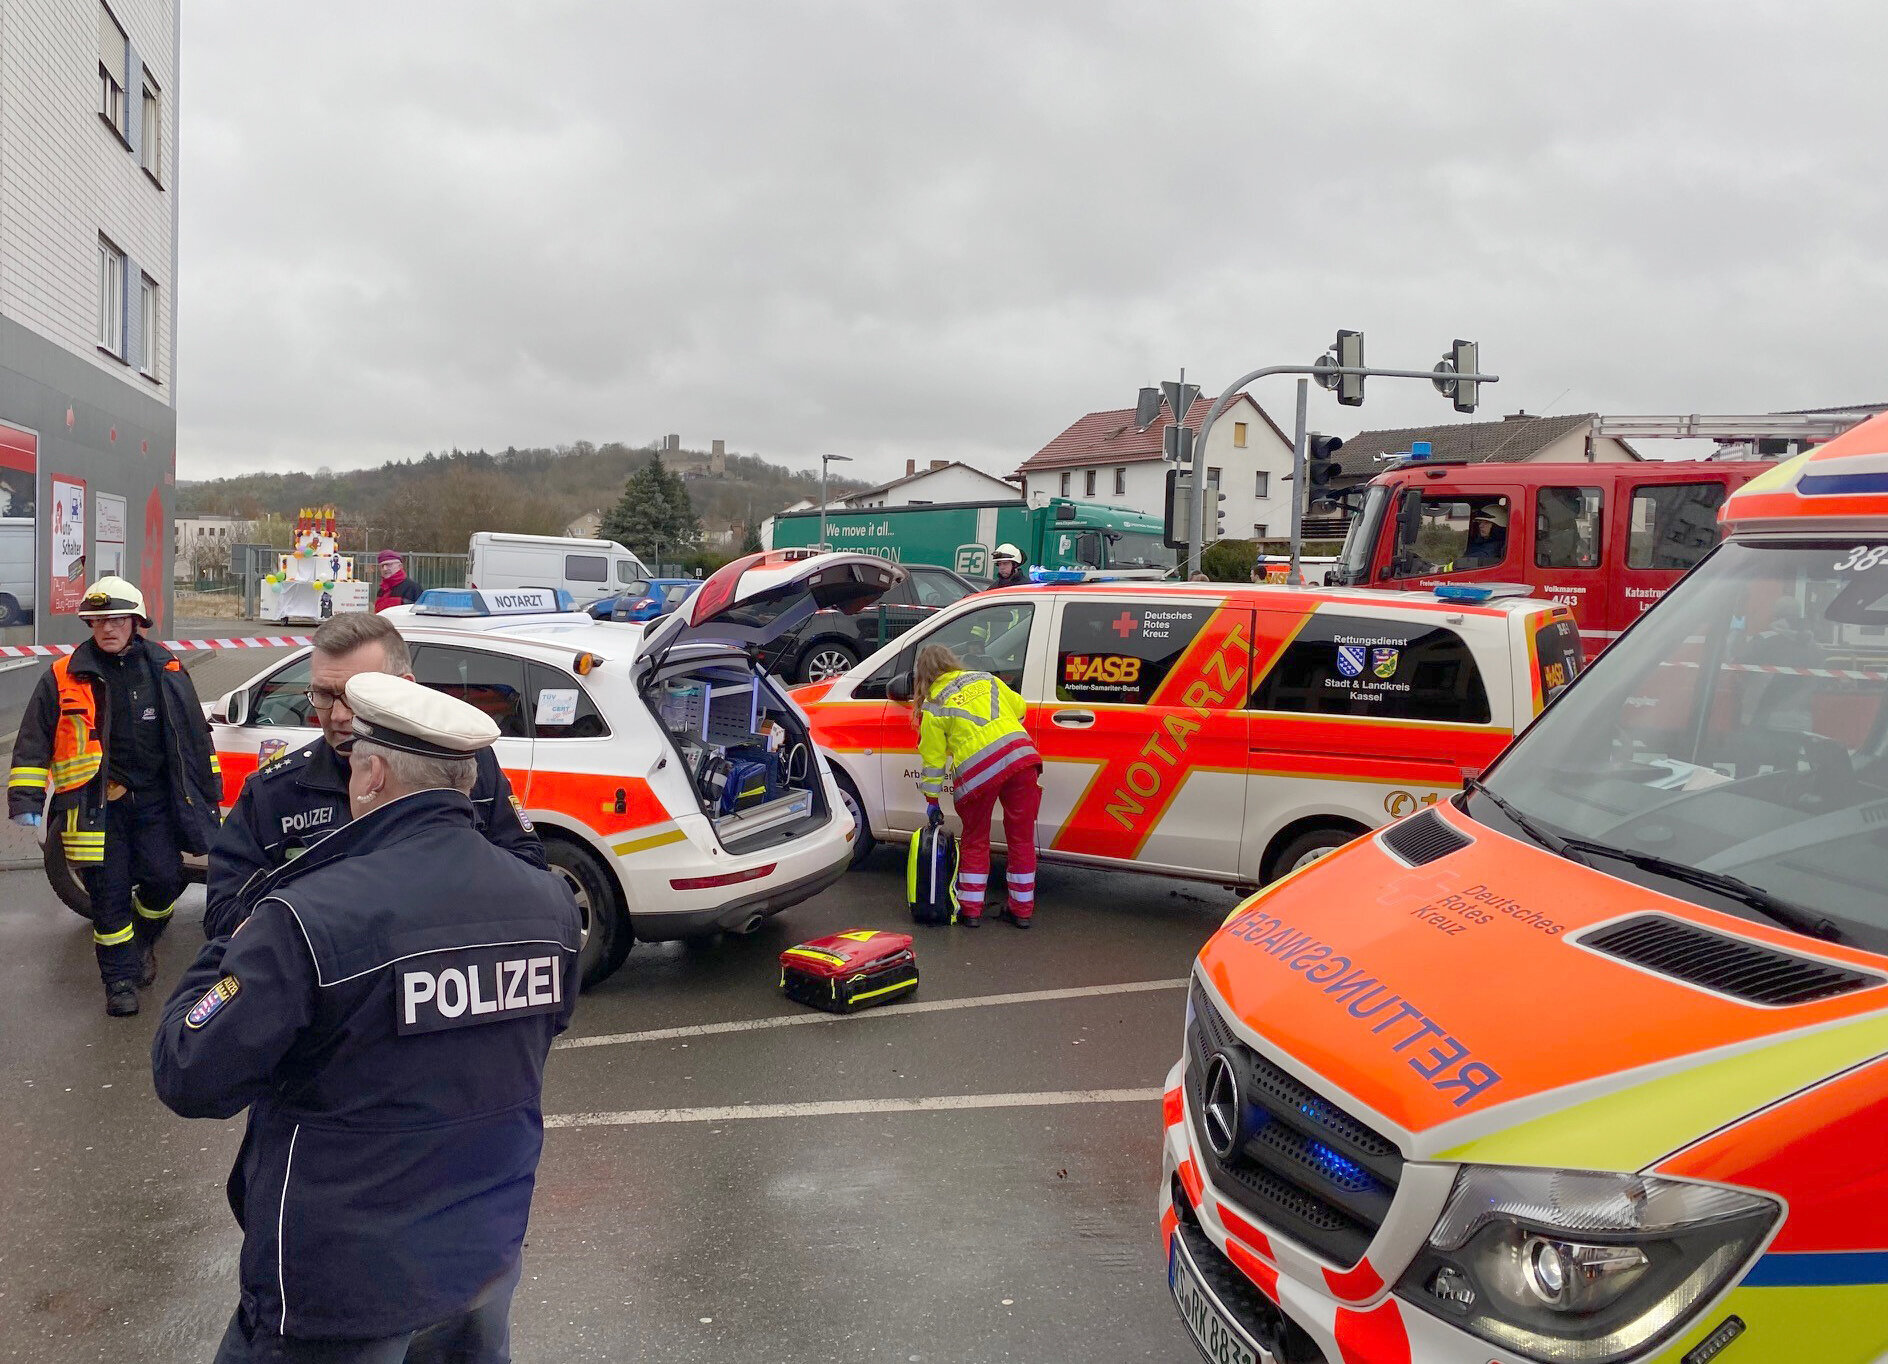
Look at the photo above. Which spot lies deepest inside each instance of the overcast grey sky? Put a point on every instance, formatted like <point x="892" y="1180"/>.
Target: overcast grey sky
<point x="891" y="229"/>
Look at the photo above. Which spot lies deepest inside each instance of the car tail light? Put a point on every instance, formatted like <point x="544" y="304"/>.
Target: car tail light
<point x="732" y="878"/>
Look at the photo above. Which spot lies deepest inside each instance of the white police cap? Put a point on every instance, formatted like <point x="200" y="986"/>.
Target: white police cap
<point x="397" y="712"/>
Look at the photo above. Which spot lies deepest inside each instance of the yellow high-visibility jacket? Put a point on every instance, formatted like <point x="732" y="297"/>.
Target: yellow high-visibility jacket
<point x="972" y="725"/>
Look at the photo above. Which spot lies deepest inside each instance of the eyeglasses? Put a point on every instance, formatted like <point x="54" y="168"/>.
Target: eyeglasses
<point x="321" y="698"/>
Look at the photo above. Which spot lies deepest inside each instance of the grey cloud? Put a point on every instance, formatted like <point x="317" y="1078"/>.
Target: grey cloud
<point x="903" y="230"/>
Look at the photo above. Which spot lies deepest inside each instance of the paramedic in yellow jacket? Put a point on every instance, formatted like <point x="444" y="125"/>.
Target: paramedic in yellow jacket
<point x="972" y="724"/>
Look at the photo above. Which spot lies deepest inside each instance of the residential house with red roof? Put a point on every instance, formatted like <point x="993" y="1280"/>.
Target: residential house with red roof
<point x="1105" y="457"/>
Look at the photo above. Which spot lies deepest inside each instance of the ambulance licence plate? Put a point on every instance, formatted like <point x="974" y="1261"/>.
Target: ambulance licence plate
<point x="1218" y="1338"/>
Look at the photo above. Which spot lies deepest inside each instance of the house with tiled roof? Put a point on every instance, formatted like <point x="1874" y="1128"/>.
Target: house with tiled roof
<point x="1517" y="439"/>
<point x="1107" y="457"/>
<point x="946" y="480"/>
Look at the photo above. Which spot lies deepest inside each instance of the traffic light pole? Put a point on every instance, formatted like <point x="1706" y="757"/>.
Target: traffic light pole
<point x="1299" y="485"/>
<point x="1225" y="400"/>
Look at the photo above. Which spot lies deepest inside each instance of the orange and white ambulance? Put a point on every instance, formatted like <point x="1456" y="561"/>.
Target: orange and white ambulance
<point x="1590" y="1062"/>
<point x="671" y="779"/>
<point x="1225" y="732"/>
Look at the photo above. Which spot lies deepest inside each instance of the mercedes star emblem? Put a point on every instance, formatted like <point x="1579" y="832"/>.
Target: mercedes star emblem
<point x="1221" y="1111"/>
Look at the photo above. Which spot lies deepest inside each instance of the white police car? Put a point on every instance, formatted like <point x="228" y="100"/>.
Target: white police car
<point x="673" y="781"/>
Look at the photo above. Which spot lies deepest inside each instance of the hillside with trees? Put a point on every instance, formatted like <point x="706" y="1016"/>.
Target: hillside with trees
<point x="436" y="502"/>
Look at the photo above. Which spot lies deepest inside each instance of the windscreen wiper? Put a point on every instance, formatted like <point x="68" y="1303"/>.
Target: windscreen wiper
<point x="1772" y="907"/>
<point x="1554" y="843"/>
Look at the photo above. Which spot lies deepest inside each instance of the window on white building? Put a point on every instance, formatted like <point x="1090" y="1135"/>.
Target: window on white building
<point x="151" y="143"/>
<point x="112" y="79"/>
<point x="1212" y="475"/>
<point x="1262" y="484"/>
<point x="1258" y="529"/>
<point x="1120" y="482"/>
<point x="111" y="298"/>
<point x="1065" y="483"/>
<point x="1088" y="483"/>
<point x="147" y="325"/>
<point x="1239" y="435"/>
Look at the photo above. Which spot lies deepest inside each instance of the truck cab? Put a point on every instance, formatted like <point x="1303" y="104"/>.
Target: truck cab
<point x="1589" y="1062"/>
<point x="1607" y="540"/>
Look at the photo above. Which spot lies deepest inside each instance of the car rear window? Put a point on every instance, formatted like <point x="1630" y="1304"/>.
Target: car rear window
<point x="1120" y="651"/>
<point x="1377" y="669"/>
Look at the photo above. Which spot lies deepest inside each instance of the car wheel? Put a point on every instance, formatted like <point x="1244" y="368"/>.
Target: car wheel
<point x="606" y="933"/>
<point x="10" y="612"/>
<point x="824" y="659"/>
<point x="862" y="840"/>
<point x="1308" y="847"/>
<point x="64" y="878"/>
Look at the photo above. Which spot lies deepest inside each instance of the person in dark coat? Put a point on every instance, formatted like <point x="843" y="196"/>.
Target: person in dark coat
<point x="384" y="1014"/>
<point x="302" y="795"/>
<point x="395" y="588"/>
<point x="114" y="751"/>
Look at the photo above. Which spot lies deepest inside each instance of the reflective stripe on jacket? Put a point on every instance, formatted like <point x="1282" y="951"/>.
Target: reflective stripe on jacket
<point x="973" y="725"/>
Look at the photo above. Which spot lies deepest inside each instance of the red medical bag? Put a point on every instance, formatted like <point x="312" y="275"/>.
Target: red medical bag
<point x="850" y="971"/>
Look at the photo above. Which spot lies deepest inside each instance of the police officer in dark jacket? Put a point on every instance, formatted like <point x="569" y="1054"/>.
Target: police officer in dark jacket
<point x="114" y="750"/>
<point x="302" y="795"/>
<point x="384" y="1013"/>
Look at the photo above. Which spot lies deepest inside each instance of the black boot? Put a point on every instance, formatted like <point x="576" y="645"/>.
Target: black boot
<point x="147" y="964"/>
<point x="121" y="999"/>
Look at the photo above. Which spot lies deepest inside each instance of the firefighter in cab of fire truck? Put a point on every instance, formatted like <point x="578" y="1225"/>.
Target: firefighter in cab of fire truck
<point x="301" y="796"/>
<point x="114" y="754"/>
<point x="384" y="1014"/>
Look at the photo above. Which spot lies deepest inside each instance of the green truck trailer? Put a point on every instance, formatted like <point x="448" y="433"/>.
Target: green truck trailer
<point x="1062" y="535"/>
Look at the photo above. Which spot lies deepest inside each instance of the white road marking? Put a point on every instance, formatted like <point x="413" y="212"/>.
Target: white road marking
<point x="923" y="1006"/>
<point x="638" y="1117"/>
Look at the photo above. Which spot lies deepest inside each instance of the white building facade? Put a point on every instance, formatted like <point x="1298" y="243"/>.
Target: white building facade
<point x="946" y="480"/>
<point x="1104" y="457"/>
<point x="88" y="270"/>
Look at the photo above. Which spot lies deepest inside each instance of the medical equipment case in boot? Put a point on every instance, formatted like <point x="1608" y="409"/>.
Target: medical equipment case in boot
<point x="850" y="971"/>
<point x="931" y="877"/>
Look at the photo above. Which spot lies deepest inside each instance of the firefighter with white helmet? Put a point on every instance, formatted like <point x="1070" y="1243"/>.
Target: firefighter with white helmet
<point x="115" y="755"/>
<point x="1009" y="566"/>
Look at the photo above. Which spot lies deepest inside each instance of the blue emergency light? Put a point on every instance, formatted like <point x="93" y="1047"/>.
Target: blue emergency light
<point x="1420" y="449"/>
<point x="1469" y="593"/>
<point x="1068" y="575"/>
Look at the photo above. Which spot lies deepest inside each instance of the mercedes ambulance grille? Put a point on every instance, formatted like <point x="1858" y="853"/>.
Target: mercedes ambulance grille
<point x="1278" y="1150"/>
<point x="1424" y="838"/>
<point x="1732" y="966"/>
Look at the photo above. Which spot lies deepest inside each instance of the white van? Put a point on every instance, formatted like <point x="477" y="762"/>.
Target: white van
<point x="17" y="583"/>
<point x="587" y="569"/>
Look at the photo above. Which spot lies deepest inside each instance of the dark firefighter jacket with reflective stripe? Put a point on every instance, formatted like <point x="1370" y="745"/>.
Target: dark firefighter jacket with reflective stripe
<point x="66" y="733"/>
<point x="384" y="1014"/>
<point x="301" y="798"/>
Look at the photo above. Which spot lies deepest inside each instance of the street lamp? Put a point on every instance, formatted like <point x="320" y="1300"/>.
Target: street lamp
<point x="824" y="460"/>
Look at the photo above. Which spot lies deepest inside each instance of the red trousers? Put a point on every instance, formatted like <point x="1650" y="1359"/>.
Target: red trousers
<point x="1020" y="790"/>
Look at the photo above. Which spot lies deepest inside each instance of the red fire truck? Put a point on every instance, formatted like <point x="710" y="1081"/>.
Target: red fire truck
<point x="1607" y="540"/>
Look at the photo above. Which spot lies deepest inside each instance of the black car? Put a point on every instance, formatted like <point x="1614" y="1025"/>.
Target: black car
<point x="831" y="642"/>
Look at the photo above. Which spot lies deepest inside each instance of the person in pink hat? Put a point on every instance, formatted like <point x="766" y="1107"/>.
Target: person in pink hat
<point x="395" y="587"/>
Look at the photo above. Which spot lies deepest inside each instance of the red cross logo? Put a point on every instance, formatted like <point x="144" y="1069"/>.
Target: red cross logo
<point x="1123" y="627"/>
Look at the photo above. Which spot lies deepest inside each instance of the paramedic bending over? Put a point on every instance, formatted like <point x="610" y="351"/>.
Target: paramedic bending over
<point x="973" y="723"/>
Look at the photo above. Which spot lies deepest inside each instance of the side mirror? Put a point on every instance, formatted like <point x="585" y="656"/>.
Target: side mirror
<point x="899" y="689"/>
<point x="233" y="709"/>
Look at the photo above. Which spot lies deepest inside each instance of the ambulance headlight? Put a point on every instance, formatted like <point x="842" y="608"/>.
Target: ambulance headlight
<point x="1581" y="1266"/>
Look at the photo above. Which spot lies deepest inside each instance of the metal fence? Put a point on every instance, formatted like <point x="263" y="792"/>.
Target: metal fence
<point x="249" y="564"/>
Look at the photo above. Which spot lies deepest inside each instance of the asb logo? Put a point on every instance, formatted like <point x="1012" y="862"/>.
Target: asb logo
<point x="1383" y="662"/>
<point x="1079" y="668"/>
<point x="1350" y="660"/>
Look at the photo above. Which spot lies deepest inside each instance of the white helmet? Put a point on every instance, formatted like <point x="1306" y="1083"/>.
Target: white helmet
<point x="1007" y="551"/>
<point x="112" y="596"/>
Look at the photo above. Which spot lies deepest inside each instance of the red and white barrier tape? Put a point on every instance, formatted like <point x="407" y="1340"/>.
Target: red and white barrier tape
<point x="176" y="646"/>
<point x="1782" y="670"/>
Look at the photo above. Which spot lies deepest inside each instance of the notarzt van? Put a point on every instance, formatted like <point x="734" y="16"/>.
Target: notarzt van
<point x="1226" y="733"/>
<point x="1590" y="1062"/>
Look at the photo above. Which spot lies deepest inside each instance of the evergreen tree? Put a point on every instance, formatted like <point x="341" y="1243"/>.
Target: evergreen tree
<point x="750" y="542"/>
<point x="684" y="525"/>
<point x="641" y="519"/>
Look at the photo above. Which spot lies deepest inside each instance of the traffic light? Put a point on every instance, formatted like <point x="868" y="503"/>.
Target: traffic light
<point x="1350" y="355"/>
<point x="1217" y="531"/>
<point x="1463" y="356"/>
<point x="1321" y="464"/>
<point x="1460" y="360"/>
<point x="1177" y="510"/>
